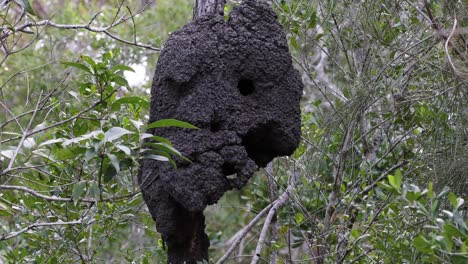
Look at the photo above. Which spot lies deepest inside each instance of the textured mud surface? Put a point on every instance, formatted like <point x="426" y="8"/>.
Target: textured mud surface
<point x="235" y="81"/>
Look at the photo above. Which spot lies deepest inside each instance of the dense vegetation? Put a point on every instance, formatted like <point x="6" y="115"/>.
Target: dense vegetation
<point x="380" y="176"/>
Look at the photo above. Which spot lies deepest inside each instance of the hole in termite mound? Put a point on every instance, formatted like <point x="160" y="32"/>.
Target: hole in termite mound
<point x="228" y="169"/>
<point x="246" y="87"/>
<point x="263" y="143"/>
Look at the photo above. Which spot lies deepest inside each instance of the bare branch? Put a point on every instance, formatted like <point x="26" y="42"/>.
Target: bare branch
<point x="273" y="193"/>
<point x="20" y="144"/>
<point x="244" y="232"/>
<point x="447" y="45"/>
<point x="276" y="205"/>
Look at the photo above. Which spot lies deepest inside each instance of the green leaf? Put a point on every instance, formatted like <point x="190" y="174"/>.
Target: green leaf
<point x="166" y="148"/>
<point x="135" y="100"/>
<point x="355" y="233"/>
<point x="27" y="7"/>
<point x="115" y="52"/>
<point x="78" y="190"/>
<point x="94" y="190"/>
<point x="452" y="231"/>
<point x="444" y="191"/>
<point x="119" y="80"/>
<point x="123" y="148"/>
<point x="88" y="60"/>
<point x="170" y="123"/>
<point x="421" y="244"/>
<point x="161" y="139"/>
<point x="430" y="192"/>
<point x="121" y="67"/>
<point x="158" y="155"/>
<point x="395" y="180"/>
<point x="299" y="218"/>
<point x="115" y="162"/>
<point x="453" y="199"/>
<point x="412" y="196"/>
<point x="93" y="134"/>
<point x="77" y="65"/>
<point x="155" y="157"/>
<point x="115" y="133"/>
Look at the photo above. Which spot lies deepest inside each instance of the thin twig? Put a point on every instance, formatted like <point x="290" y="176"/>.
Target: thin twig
<point x="20" y="144"/>
<point x="277" y="204"/>
<point x="283" y="198"/>
<point x="447" y="45"/>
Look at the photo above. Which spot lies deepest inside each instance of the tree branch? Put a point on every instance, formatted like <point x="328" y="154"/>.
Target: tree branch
<point x="208" y="7"/>
<point x="48" y="23"/>
<point x="244" y="232"/>
<point x="276" y="205"/>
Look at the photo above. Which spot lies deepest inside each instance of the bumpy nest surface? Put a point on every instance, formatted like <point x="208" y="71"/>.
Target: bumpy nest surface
<point x="235" y="81"/>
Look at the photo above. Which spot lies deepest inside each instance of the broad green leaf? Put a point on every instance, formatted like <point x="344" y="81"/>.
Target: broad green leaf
<point x="384" y="186"/>
<point x="115" y="52"/>
<point x="435" y="207"/>
<point x="395" y="180"/>
<point x="452" y="231"/>
<point x="355" y="233"/>
<point x="299" y="218"/>
<point x="94" y="190"/>
<point x="93" y="134"/>
<point x="164" y="147"/>
<point x="155" y="157"/>
<point x="115" y="162"/>
<point x="144" y="136"/>
<point x="430" y="192"/>
<point x="121" y="67"/>
<point x="444" y="191"/>
<point x="120" y="80"/>
<point x="453" y="199"/>
<point x="421" y="244"/>
<point x="8" y="153"/>
<point x="78" y="190"/>
<point x="68" y="152"/>
<point x="161" y="154"/>
<point x="5" y="209"/>
<point x="52" y="141"/>
<point x="27" y="7"/>
<point x="123" y="148"/>
<point x="115" y="133"/>
<point x="135" y="100"/>
<point x="88" y="60"/>
<point x="412" y="196"/>
<point x="170" y="123"/>
<point x="161" y="139"/>
<point x="44" y="153"/>
<point x="77" y="65"/>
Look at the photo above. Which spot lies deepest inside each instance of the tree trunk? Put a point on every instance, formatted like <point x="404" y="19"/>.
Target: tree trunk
<point x="208" y="7"/>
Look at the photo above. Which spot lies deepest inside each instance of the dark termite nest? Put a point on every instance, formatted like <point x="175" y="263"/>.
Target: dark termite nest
<point x="235" y="81"/>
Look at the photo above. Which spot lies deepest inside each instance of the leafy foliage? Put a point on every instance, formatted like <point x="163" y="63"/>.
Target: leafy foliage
<point x="85" y="153"/>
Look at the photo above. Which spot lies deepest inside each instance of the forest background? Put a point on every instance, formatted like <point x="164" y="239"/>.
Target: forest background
<point x="380" y="176"/>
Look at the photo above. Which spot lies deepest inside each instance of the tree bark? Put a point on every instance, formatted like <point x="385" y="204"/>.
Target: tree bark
<point x="208" y="7"/>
